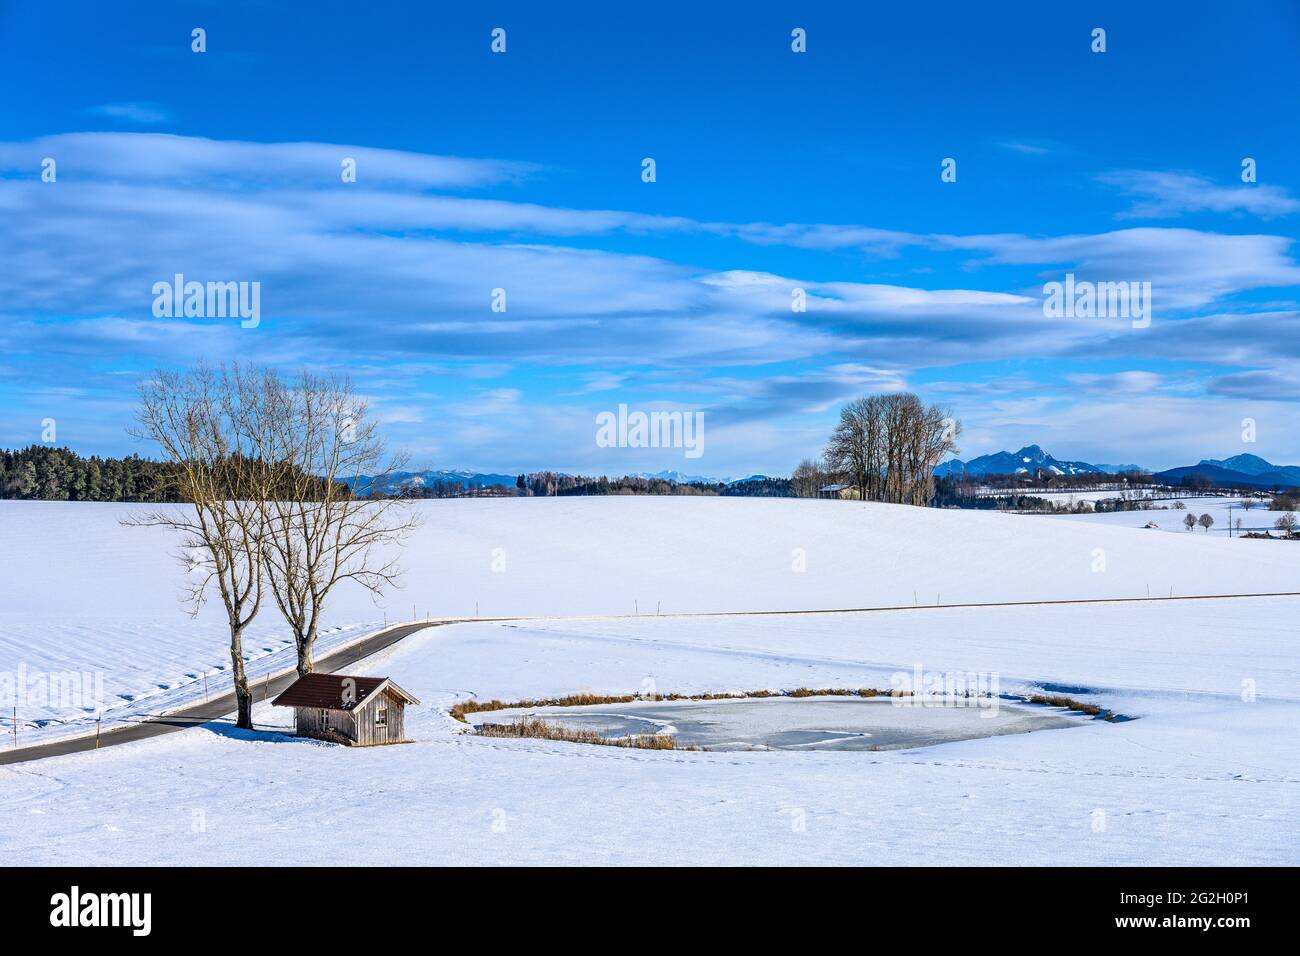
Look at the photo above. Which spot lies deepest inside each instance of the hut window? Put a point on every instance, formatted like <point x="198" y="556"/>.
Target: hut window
<point x="324" y="718"/>
<point x="381" y="717"/>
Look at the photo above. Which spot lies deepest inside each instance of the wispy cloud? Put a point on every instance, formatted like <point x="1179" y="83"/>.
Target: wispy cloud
<point x="1165" y="195"/>
<point x="1025" y="149"/>
<point x="140" y="114"/>
<point x="392" y="277"/>
<point x="159" y="158"/>
<point x="1268" y="385"/>
<point x="1187" y="268"/>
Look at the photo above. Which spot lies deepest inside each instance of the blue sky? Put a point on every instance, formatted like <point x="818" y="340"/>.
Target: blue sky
<point x="775" y="171"/>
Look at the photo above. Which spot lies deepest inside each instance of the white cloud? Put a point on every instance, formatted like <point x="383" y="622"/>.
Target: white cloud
<point x="1168" y="194"/>
<point x="143" y="114"/>
<point x="1027" y="149"/>
<point x="152" y="158"/>
<point x="370" y="277"/>
<point x="1269" y="385"/>
<point x="1187" y="268"/>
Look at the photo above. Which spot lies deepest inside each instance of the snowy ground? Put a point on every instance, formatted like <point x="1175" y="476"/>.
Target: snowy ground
<point x="1205" y="775"/>
<point x="96" y="606"/>
<point x="1222" y="510"/>
<point x="1202" y="776"/>
<point x="80" y="594"/>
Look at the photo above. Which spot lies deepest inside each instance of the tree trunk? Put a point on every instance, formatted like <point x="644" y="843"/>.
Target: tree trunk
<point x="243" y="698"/>
<point x="306" y="644"/>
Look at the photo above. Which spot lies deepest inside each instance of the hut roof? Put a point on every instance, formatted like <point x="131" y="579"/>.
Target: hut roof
<point x="337" y="691"/>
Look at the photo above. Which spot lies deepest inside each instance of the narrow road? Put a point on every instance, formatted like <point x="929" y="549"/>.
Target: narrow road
<point x="217" y="707"/>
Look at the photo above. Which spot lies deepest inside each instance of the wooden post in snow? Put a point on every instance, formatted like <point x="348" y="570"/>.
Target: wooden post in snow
<point x="205" y="687"/>
<point x="98" y="718"/>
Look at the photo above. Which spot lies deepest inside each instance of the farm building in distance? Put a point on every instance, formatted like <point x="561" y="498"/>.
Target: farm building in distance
<point x="358" y="711"/>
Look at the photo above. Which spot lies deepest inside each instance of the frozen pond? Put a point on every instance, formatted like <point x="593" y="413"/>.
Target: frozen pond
<point x="806" y="723"/>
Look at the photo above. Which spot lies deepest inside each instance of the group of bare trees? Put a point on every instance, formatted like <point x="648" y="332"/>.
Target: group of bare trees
<point x="264" y="466"/>
<point x="886" y="447"/>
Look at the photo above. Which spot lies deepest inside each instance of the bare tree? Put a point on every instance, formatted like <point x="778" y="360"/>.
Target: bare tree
<point x="934" y="436"/>
<point x="1247" y="503"/>
<point x="1206" y="521"/>
<point x="319" y="532"/>
<point x="850" y="451"/>
<point x="889" y="446"/>
<point x="209" y="424"/>
<point x="808" y="479"/>
<point x="1286" y="523"/>
<point x="1189" y="521"/>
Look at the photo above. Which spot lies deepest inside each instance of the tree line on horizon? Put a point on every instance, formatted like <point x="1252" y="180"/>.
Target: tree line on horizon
<point x="47" y="473"/>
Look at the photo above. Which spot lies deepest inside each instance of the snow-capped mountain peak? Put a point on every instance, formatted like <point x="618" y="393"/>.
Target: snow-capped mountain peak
<point x="1028" y="459"/>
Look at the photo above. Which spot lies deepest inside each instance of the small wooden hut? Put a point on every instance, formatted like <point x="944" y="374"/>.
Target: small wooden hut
<point x="359" y="711"/>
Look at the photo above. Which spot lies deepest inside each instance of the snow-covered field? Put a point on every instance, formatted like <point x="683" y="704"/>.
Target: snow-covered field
<point x="90" y="620"/>
<point x="1206" y="774"/>
<point x="1202" y="777"/>
<point x="1169" y="518"/>
<point x="80" y="594"/>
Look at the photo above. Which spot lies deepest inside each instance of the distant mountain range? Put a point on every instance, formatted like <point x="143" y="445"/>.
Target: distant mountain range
<point x="681" y="479"/>
<point x="1242" y="471"/>
<point x="421" y="479"/>
<point x="1248" y="471"/>
<point x="1026" y="460"/>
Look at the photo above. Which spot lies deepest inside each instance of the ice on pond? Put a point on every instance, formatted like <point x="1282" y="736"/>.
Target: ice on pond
<point x="804" y="723"/>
